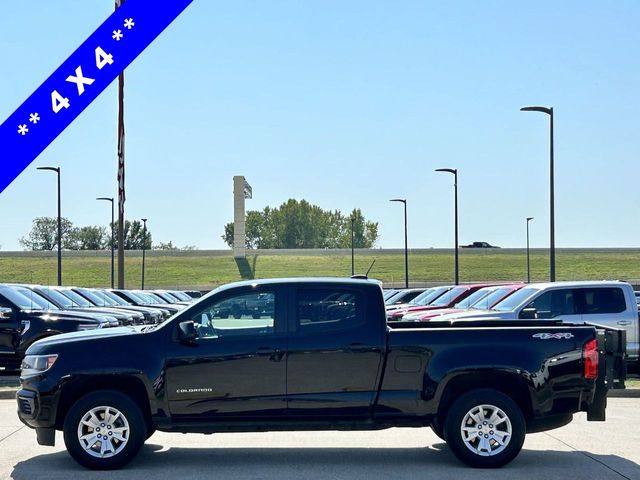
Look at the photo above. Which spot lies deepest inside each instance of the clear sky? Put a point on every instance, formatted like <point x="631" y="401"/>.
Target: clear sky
<point x="348" y="104"/>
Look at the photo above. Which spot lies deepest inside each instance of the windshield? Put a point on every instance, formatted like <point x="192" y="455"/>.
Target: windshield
<point x="92" y="297"/>
<point x="512" y="301"/>
<point x="180" y="295"/>
<point x="494" y="297"/>
<point x="446" y="298"/>
<point x="114" y="297"/>
<point x="18" y="299"/>
<point x="134" y="297"/>
<point x="165" y="296"/>
<point x="76" y="299"/>
<point x="106" y="300"/>
<point x="183" y="297"/>
<point x="474" y="297"/>
<point x="389" y="293"/>
<point x="433" y="294"/>
<point x="153" y="298"/>
<point x="418" y="300"/>
<point x="57" y="297"/>
<point x="36" y="298"/>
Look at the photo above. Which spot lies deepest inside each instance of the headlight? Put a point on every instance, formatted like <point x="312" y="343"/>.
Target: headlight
<point x="90" y="326"/>
<point x="36" y="364"/>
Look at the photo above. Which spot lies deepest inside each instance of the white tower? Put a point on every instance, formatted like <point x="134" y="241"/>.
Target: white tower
<point x="241" y="191"/>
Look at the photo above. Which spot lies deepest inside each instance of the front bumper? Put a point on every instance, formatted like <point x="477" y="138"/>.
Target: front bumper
<point x="36" y="410"/>
<point x="37" y="414"/>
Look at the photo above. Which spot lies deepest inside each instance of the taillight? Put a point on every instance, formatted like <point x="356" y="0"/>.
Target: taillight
<point x="590" y="357"/>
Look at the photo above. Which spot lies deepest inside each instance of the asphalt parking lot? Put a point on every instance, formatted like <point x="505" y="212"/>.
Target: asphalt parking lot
<point x="580" y="450"/>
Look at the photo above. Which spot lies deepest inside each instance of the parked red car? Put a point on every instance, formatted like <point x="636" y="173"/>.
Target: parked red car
<point x="482" y="299"/>
<point x="447" y="299"/>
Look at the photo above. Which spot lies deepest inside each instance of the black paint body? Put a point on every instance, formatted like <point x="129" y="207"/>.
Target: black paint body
<point x="368" y="377"/>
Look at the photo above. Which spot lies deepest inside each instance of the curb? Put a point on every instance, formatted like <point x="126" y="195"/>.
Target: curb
<point x="9" y="381"/>
<point x="9" y="385"/>
<point x="8" y="393"/>
<point x="626" y="393"/>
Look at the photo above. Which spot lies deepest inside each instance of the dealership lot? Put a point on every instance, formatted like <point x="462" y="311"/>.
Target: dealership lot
<point x="580" y="450"/>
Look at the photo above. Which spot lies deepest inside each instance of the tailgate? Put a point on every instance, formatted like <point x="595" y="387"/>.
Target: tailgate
<point x="613" y="349"/>
<point x="612" y="371"/>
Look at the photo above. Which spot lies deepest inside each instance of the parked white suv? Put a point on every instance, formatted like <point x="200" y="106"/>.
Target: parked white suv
<point x="608" y="303"/>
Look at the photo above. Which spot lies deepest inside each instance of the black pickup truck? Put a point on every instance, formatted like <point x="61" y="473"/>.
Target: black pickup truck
<point x="321" y="357"/>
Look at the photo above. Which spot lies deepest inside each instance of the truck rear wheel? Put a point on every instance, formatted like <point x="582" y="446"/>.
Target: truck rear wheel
<point x="436" y="427"/>
<point x="104" y="430"/>
<point x="485" y="428"/>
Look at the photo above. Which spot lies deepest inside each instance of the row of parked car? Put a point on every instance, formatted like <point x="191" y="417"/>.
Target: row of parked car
<point x="31" y="312"/>
<point x="607" y="303"/>
<point x="431" y="302"/>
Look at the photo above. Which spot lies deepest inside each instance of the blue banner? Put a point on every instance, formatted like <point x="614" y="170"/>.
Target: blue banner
<point x="80" y="79"/>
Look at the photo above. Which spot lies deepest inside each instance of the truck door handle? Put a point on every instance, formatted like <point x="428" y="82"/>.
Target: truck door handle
<point x="274" y="354"/>
<point x="624" y="322"/>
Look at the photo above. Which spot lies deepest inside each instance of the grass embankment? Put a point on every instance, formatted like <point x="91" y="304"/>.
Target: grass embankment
<point x="199" y="270"/>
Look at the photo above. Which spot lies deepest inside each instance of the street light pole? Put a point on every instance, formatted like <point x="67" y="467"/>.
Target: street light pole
<point x="57" y="170"/>
<point x="456" y="267"/>
<point x="353" y="265"/>
<point x="528" y="262"/>
<point x="406" y="248"/>
<point x="113" y="241"/>
<point x="552" y="226"/>
<point x="144" y="244"/>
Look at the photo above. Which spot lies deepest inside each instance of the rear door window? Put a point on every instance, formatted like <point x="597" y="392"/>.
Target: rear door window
<point x="328" y="310"/>
<point x="593" y="301"/>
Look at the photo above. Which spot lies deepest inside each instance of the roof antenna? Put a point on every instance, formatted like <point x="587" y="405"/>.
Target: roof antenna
<point x="366" y="275"/>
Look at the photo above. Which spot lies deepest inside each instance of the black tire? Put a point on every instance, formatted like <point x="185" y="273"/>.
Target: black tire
<point x="137" y="431"/>
<point x="150" y="431"/>
<point x="454" y="434"/>
<point x="436" y="426"/>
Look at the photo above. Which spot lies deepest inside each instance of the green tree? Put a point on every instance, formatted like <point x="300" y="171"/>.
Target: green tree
<point x="133" y="236"/>
<point x="254" y="230"/>
<point x="299" y="224"/>
<point x="44" y="234"/>
<point x="88" y="238"/>
<point x="365" y="234"/>
<point x="165" y="246"/>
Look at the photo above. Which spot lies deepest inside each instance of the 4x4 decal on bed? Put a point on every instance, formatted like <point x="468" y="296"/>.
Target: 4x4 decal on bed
<point x="553" y="336"/>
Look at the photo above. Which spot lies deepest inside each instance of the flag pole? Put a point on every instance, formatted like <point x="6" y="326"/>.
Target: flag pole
<point x="121" y="193"/>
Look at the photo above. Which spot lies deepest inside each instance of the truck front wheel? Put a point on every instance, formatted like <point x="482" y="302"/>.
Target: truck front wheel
<point x="485" y="428"/>
<point x="104" y="430"/>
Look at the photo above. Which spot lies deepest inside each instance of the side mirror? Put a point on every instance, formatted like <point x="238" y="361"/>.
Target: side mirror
<point x="187" y="333"/>
<point x="529" y="313"/>
<point x="6" y="314"/>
